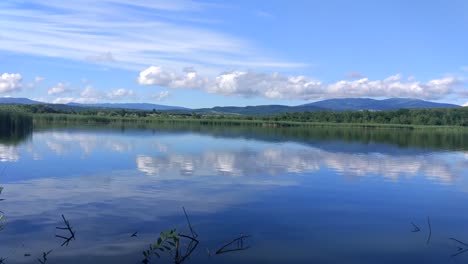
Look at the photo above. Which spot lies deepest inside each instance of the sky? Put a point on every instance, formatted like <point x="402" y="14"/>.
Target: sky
<point x="208" y="53"/>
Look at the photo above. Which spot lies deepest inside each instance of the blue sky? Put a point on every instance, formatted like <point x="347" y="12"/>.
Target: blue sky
<point x="207" y="53"/>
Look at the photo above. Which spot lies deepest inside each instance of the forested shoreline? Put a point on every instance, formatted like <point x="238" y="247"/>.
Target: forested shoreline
<point x="457" y="117"/>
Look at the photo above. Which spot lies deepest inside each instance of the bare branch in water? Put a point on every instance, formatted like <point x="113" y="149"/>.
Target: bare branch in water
<point x="179" y="258"/>
<point x="416" y="228"/>
<point x="430" y="230"/>
<point x="461" y="250"/>
<point x="194" y="234"/>
<point x="239" y="247"/>
<point x="44" y="257"/>
<point x="71" y="235"/>
<point x="461" y="242"/>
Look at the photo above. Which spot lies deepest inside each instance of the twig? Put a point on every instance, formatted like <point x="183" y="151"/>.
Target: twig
<point x="134" y="234"/>
<point x="240" y="245"/>
<point x="44" y="257"/>
<point x="194" y="234"/>
<point x="69" y="229"/>
<point x="460" y="249"/>
<point x="416" y="228"/>
<point x="178" y="258"/>
<point x="456" y="240"/>
<point x="460" y="252"/>
<point x="430" y="230"/>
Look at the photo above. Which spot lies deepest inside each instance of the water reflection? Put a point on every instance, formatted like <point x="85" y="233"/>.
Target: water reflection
<point x="8" y="153"/>
<point x="352" y="160"/>
<point x="277" y="161"/>
<point x="111" y="184"/>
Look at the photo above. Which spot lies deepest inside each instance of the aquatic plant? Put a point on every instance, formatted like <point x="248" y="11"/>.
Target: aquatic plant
<point x="14" y="127"/>
<point x="170" y="241"/>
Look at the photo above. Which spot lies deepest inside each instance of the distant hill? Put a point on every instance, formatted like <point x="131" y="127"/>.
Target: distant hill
<point x="353" y="104"/>
<point x="356" y="104"/>
<point x="258" y="109"/>
<point x="133" y="106"/>
<point x="12" y="100"/>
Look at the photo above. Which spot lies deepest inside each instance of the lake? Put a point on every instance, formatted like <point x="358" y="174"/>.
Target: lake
<point x="315" y="195"/>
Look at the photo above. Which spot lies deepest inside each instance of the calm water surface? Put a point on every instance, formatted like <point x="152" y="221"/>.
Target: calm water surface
<point x="303" y="199"/>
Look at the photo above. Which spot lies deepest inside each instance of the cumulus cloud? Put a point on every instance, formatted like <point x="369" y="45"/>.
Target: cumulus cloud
<point x="277" y="86"/>
<point x="10" y="82"/>
<point x="155" y="75"/>
<point x="120" y="94"/>
<point x="59" y="89"/>
<point x="466" y="104"/>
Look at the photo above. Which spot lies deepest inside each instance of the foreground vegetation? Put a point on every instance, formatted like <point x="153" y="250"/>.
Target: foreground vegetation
<point x="14" y="126"/>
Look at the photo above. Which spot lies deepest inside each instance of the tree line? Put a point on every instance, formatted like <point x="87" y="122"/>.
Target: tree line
<point x="428" y="117"/>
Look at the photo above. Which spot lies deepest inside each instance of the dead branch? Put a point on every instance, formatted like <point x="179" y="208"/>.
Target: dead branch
<point x="71" y="233"/>
<point x="239" y="247"/>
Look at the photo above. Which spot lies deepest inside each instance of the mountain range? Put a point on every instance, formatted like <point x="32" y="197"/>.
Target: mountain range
<point x="343" y="104"/>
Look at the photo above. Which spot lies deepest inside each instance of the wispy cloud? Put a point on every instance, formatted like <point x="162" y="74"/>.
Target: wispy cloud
<point x="277" y="86"/>
<point x="354" y="75"/>
<point x="264" y="14"/>
<point x="59" y="88"/>
<point x="161" y="95"/>
<point x="119" y="94"/>
<point x="103" y="57"/>
<point x="128" y="34"/>
<point x="91" y="95"/>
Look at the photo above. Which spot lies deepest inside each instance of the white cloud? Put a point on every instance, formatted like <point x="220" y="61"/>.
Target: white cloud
<point x="155" y="75"/>
<point x="278" y="86"/>
<point x="10" y="82"/>
<point x="120" y="94"/>
<point x="354" y="75"/>
<point x="90" y="92"/>
<point x="59" y="89"/>
<point x="63" y="100"/>
<point x="39" y="79"/>
<point x="90" y="95"/>
<point x="161" y="95"/>
<point x="138" y="33"/>
<point x="103" y="57"/>
<point x="264" y="14"/>
<point x="466" y="104"/>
